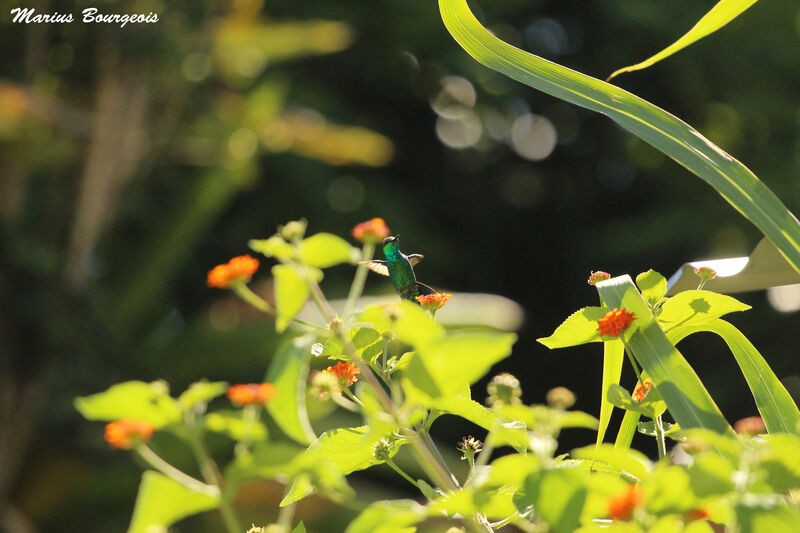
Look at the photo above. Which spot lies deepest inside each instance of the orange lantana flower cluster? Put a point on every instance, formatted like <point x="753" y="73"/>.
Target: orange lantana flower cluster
<point x="615" y="322"/>
<point x="251" y="393"/>
<point x="127" y="433"/>
<point x="373" y="231"/>
<point x="238" y="269"/>
<point x="433" y="302"/>
<point x="752" y="425"/>
<point x="345" y="373"/>
<point x="622" y="505"/>
<point x="640" y="392"/>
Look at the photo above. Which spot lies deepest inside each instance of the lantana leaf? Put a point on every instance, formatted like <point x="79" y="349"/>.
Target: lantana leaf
<point x="325" y="250"/>
<point x="149" y="402"/>
<point x="579" y="328"/>
<point x="694" y="308"/>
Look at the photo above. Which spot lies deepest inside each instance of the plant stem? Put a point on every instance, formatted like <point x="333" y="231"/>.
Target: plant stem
<point x="210" y="472"/>
<point x="154" y="460"/>
<point x="358" y="281"/>
<point x="249" y="416"/>
<point x="352" y="397"/>
<point x="662" y="445"/>
<point x="399" y="470"/>
<point x="286" y="513"/>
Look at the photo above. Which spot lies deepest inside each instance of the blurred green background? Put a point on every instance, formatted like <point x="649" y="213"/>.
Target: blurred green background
<point x="134" y="159"/>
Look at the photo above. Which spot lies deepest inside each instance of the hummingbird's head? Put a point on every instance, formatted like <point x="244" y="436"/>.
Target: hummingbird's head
<point x="391" y="244"/>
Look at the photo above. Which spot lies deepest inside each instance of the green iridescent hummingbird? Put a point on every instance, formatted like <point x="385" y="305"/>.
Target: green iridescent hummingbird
<point x="400" y="269"/>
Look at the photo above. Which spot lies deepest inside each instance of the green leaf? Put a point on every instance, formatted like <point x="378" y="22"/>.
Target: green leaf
<point x="774" y="402"/>
<point x="367" y="341"/>
<point x="653" y="286"/>
<point x="230" y="423"/>
<point x="392" y="516"/>
<point x="301" y="528"/>
<point x="694" y="308"/>
<point x="501" y="431"/>
<point x="732" y="180"/>
<point x="149" y="402"/>
<point x="648" y="428"/>
<point x="266" y="460"/>
<point x="667" y="490"/>
<point x="291" y="293"/>
<point x="288" y="372"/>
<point x="275" y="247"/>
<point x="613" y="355"/>
<point x="651" y="405"/>
<point x="201" y="392"/>
<point x="325" y="250"/>
<point x="720" y="15"/>
<point x="710" y="475"/>
<point x="781" y="462"/>
<point x="415" y="326"/>
<point x="627" y="430"/>
<point x="344" y="450"/>
<point x="687" y="399"/>
<point x="161" y="502"/>
<point x="442" y="367"/>
<point x="557" y="497"/>
<point x="765" y="518"/>
<point x="579" y="328"/>
<point x="631" y="462"/>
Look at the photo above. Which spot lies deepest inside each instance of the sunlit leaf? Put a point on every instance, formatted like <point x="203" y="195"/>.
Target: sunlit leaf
<point x="720" y="15"/>
<point x="653" y="286"/>
<point x="650" y="406"/>
<point x="766" y="518"/>
<point x="442" y="367"/>
<point x="161" y="502"/>
<point x="777" y="408"/>
<point x="579" y="328"/>
<point x="557" y="497"/>
<point x="325" y="250"/>
<point x="613" y="355"/>
<point x="149" y="402"/>
<point x="732" y="180"/>
<point x="291" y="293"/>
<point x="201" y="392"/>
<point x="691" y="308"/>
<point x="287" y="372"/>
<point x="631" y="462"/>
<point x="395" y="516"/>
<point x="232" y="424"/>
<point x="502" y="432"/>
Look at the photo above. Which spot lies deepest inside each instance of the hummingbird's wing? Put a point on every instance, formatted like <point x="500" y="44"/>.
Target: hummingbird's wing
<point x="376" y="265"/>
<point x="424" y="290"/>
<point x="415" y="258"/>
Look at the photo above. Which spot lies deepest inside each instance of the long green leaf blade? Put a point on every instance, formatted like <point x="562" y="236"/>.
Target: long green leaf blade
<point x="731" y="179"/>
<point x="721" y="14"/>
<point x="627" y="430"/>
<point x="688" y="400"/>
<point x="613" y="354"/>
<point x="774" y="402"/>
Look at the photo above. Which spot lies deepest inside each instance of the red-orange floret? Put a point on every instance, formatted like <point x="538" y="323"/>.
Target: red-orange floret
<point x="251" y="393"/>
<point x="698" y="514"/>
<point x="597" y="277"/>
<point x="238" y="269"/>
<point x="127" y="433"/>
<point x="435" y="301"/>
<point x="622" y="505"/>
<point x="615" y="322"/>
<point x="640" y="392"/>
<point x="345" y="372"/>
<point x="374" y="230"/>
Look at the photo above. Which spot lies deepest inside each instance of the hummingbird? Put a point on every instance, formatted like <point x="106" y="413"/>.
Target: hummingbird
<point x="400" y="269"/>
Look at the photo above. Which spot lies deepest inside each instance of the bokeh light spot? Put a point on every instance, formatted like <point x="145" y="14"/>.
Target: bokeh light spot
<point x="533" y="137"/>
<point x="785" y="299"/>
<point x="345" y="194"/>
<point x="460" y="133"/>
<point x="196" y="67"/>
